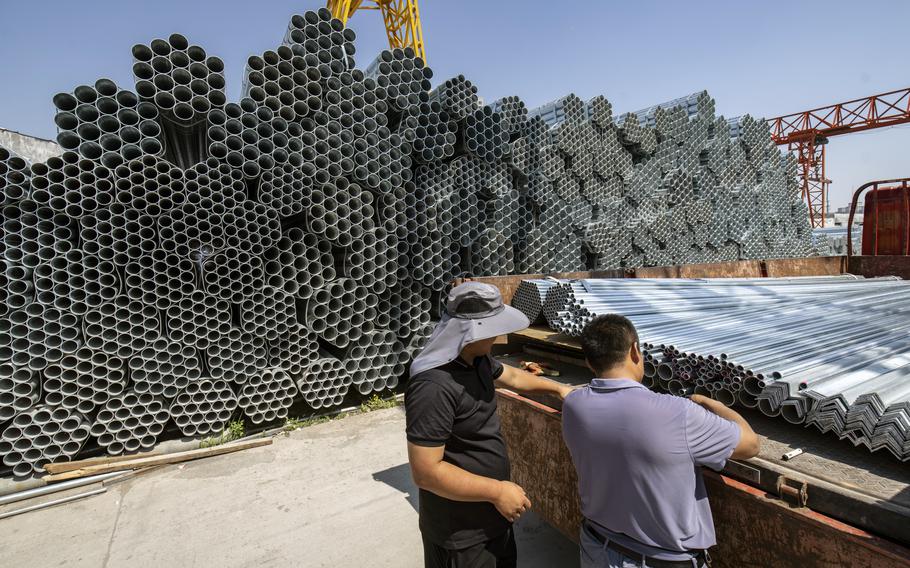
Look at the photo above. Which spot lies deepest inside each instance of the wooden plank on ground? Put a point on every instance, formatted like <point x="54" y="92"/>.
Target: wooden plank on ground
<point x="62" y="467"/>
<point x="159" y="460"/>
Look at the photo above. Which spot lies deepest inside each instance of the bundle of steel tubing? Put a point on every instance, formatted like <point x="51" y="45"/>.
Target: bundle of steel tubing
<point x="832" y="241"/>
<point x="748" y="341"/>
<point x="107" y="124"/>
<point x="188" y="260"/>
<point x="15" y="174"/>
<point x="530" y="297"/>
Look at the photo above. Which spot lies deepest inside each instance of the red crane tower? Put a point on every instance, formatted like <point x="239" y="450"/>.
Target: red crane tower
<point x="807" y="133"/>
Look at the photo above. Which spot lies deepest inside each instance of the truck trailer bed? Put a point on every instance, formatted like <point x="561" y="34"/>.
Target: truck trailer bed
<point x="869" y="491"/>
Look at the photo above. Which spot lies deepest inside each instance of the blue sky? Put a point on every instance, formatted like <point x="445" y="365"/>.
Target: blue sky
<point x="763" y="58"/>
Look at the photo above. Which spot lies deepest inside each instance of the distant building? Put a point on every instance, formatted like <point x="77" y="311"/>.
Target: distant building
<point x="846" y="209"/>
<point x="31" y="148"/>
<point x="840" y="219"/>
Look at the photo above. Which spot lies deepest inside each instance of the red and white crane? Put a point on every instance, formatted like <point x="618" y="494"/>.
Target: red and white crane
<point x="807" y="132"/>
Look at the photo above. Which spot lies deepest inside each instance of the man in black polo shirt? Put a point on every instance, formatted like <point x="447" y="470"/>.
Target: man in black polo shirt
<point x="457" y="454"/>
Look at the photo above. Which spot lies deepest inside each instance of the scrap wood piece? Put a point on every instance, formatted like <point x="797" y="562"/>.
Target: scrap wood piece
<point x="539" y="368"/>
<point x="62" y="467"/>
<point x="159" y="460"/>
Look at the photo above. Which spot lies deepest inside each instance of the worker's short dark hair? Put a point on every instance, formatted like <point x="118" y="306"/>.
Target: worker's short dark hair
<point x="606" y="341"/>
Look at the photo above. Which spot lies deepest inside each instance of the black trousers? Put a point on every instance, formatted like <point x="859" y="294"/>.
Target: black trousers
<point x="497" y="553"/>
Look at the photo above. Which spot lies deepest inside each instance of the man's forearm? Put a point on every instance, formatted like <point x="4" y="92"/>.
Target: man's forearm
<point x="452" y="482"/>
<point x="525" y="382"/>
<point x="725" y="412"/>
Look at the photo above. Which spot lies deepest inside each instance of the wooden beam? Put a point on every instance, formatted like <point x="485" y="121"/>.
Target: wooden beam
<point x="62" y="467"/>
<point x="158" y="460"/>
<point x="546" y="336"/>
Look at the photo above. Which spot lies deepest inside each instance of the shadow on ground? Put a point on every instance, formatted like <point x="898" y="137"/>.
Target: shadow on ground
<point x="399" y="477"/>
<point x="539" y="544"/>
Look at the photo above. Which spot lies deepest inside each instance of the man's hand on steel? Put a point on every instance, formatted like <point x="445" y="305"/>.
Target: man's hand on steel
<point x="511" y="501"/>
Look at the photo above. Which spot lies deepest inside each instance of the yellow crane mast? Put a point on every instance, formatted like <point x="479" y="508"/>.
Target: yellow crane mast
<point x="401" y="18"/>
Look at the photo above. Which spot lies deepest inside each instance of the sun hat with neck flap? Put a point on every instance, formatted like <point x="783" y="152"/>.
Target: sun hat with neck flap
<point x="474" y="311"/>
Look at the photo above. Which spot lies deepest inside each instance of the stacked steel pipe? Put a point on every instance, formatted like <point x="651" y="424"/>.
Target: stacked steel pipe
<point x="15" y="174"/>
<point x="747" y="341"/>
<point x="41" y="435"/>
<point x="269" y="313"/>
<point x="188" y="260"/>
<point x="341" y="311"/>
<point x="184" y="84"/>
<point x="325" y="382"/>
<point x="409" y="308"/>
<point x="322" y="40"/>
<point x="267" y="396"/>
<point x="75" y="282"/>
<point x="107" y="124"/>
<point x="404" y="77"/>
<point x="282" y="82"/>
<point x="457" y="96"/>
<point x="164" y="368"/>
<point x="236" y="357"/>
<point x="203" y="407"/>
<point x="20" y="389"/>
<point x="530" y="296"/>
<point x="375" y="361"/>
<point x="84" y="380"/>
<point x="418" y="340"/>
<point x="294" y="350"/>
<point x="644" y="172"/>
<point x="130" y="422"/>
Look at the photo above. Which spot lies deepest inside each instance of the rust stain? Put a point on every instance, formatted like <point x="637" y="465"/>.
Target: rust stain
<point x="813" y="266"/>
<point x="739" y="269"/>
<point x="870" y="266"/>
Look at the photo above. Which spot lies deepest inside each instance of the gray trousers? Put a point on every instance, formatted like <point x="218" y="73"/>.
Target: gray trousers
<point x="595" y="554"/>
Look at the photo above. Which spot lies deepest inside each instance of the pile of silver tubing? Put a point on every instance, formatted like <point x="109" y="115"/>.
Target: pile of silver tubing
<point x="188" y="261"/>
<point x="830" y="351"/>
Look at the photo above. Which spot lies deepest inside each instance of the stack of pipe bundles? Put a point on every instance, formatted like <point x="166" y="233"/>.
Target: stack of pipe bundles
<point x="189" y="260"/>
<point x="748" y="341"/>
<point x="832" y="241"/>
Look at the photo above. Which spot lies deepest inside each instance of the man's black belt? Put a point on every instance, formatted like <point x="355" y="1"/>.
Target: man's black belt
<point x="700" y="555"/>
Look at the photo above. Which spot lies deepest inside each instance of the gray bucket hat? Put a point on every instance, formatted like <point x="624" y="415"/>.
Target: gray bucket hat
<point x="474" y="311"/>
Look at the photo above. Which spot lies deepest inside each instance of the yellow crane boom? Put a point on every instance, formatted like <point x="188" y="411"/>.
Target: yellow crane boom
<point x="401" y="18"/>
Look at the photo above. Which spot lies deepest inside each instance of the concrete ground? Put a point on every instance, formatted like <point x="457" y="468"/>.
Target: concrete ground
<point x="334" y="494"/>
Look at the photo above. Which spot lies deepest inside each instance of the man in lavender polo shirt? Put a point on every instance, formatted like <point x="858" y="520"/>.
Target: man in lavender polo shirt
<point x="637" y="454"/>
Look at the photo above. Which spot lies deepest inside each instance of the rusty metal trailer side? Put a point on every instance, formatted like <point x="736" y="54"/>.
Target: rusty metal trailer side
<point x="814" y="266"/>
<point x="753" y="527"/>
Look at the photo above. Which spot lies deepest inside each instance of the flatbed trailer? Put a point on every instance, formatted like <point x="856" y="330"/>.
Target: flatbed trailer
<point x="833" y="505"/>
